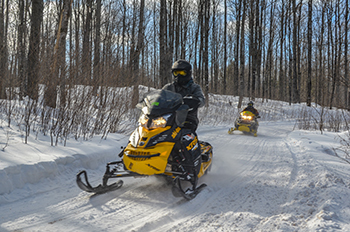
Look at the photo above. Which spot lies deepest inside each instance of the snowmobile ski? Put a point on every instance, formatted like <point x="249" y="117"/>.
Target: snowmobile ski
<point x="189" y="194"/>
<point x="100" y="189"/>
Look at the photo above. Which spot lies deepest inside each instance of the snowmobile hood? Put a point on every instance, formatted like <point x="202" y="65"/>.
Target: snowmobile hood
<point x="159" y="102"/>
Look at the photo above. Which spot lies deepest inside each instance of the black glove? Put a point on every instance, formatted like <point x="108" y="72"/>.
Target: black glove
<point x="192" y="101"/>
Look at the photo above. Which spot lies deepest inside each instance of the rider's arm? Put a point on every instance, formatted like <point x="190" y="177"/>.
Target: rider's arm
<point x="197" y="92"/>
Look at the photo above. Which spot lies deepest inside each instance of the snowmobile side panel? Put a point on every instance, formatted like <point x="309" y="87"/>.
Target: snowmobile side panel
<point x="207" y="156"/>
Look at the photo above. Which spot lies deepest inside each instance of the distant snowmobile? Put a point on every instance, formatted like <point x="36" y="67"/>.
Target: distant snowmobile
<point x="155" y="148"/>
<point x="247" y="123"/>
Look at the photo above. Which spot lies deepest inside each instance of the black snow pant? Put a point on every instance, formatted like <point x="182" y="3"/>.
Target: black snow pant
<point x="192" y="151"/>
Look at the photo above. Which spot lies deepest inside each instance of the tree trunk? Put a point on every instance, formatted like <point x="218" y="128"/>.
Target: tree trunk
<point x="346" y="62"/>
<point x="260" y="47"/>
<point x="206" y="51"/>
<point x="252" y="45"/>
<point x="137" y="53"/>
<point x="86" y="57"/>
<point x="57" y="73"/>
<point x="236" y="56"/>
<point x="282" y="89"/>
<point x="225" y="49"/>
<point x="97" y="51"/>
<point x="3" y="55"/>
<point x="34" y="49"/>
<point x="309" y="58"/>
<point x="295" y="92"/>
<point x="22" y="48"/>
<point x="242" y="58"/>
<point x="163" y="70"/>
<point x="321" y="90"/>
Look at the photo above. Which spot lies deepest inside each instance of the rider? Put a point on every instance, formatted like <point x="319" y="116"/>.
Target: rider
<point x="251" y="108"/>
<point x="193" y="97"/>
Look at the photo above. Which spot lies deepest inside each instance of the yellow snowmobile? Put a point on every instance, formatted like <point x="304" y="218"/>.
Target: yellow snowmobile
<point x="247" y="123"/>
<point x="156" y="148"/>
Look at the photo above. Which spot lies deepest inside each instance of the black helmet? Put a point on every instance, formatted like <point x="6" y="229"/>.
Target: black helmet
<point x="251" y="103"/>
<point x="182" y="71"/>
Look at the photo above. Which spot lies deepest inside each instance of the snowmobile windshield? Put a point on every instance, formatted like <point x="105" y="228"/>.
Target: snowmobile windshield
<point x="160" y="102"/>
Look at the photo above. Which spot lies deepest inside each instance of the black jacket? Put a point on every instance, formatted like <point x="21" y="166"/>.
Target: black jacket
<point x="190" y="89"/>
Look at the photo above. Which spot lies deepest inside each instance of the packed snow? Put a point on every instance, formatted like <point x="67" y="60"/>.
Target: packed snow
<point x="285" y="179"/>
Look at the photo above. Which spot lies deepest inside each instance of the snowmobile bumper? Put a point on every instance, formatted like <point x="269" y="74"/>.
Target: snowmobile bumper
<point x="147" y="161"/>
<point x="244" y="128"/>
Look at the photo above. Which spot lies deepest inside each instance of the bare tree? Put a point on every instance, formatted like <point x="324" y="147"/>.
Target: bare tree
<point x="309" y="54"/>
<point x="346" y="59"/>
<point x="282" y="42"/>
<point x="3" y="55"/>
<point x="58" y="69"/>
<point x="321" y="90"/>
<point x="269" y="59"/>
<point x="225" y="48"/>
<point x="242" y="58"/>
<point x="136" y="52"/>
<point x="163" y="64"/>
<point x="236" y="79"/>
<point x="34" y="49"/>
<point x="295" y="89"/>
<point x="86" y="52"/>
<point x="206" y="50"/>
<point x="97" y="49"/>
<point x="22" y="47"/>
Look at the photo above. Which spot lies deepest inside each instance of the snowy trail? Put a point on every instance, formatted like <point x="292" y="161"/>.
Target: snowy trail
<point x="274" y="182"/>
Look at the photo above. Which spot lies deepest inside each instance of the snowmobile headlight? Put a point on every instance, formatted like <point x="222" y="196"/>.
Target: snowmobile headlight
<point x="246" y="117"/>
<point x="159" y="122"/>
<point x="155" y="123"/>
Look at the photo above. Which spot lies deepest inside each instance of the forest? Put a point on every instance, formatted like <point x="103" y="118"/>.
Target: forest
<point x="68" y="60"/>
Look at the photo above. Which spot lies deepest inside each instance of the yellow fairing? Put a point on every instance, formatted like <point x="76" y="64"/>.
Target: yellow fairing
<point x="150" y="160"/>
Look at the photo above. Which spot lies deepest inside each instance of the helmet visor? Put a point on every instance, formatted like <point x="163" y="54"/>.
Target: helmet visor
<point x="179" y="72"/>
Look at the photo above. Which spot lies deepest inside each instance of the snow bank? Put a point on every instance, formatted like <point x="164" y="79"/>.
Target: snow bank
<point x="36" y="163"/>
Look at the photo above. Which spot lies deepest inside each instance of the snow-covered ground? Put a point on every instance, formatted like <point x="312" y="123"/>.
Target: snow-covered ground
<point x="282" y="180"/>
